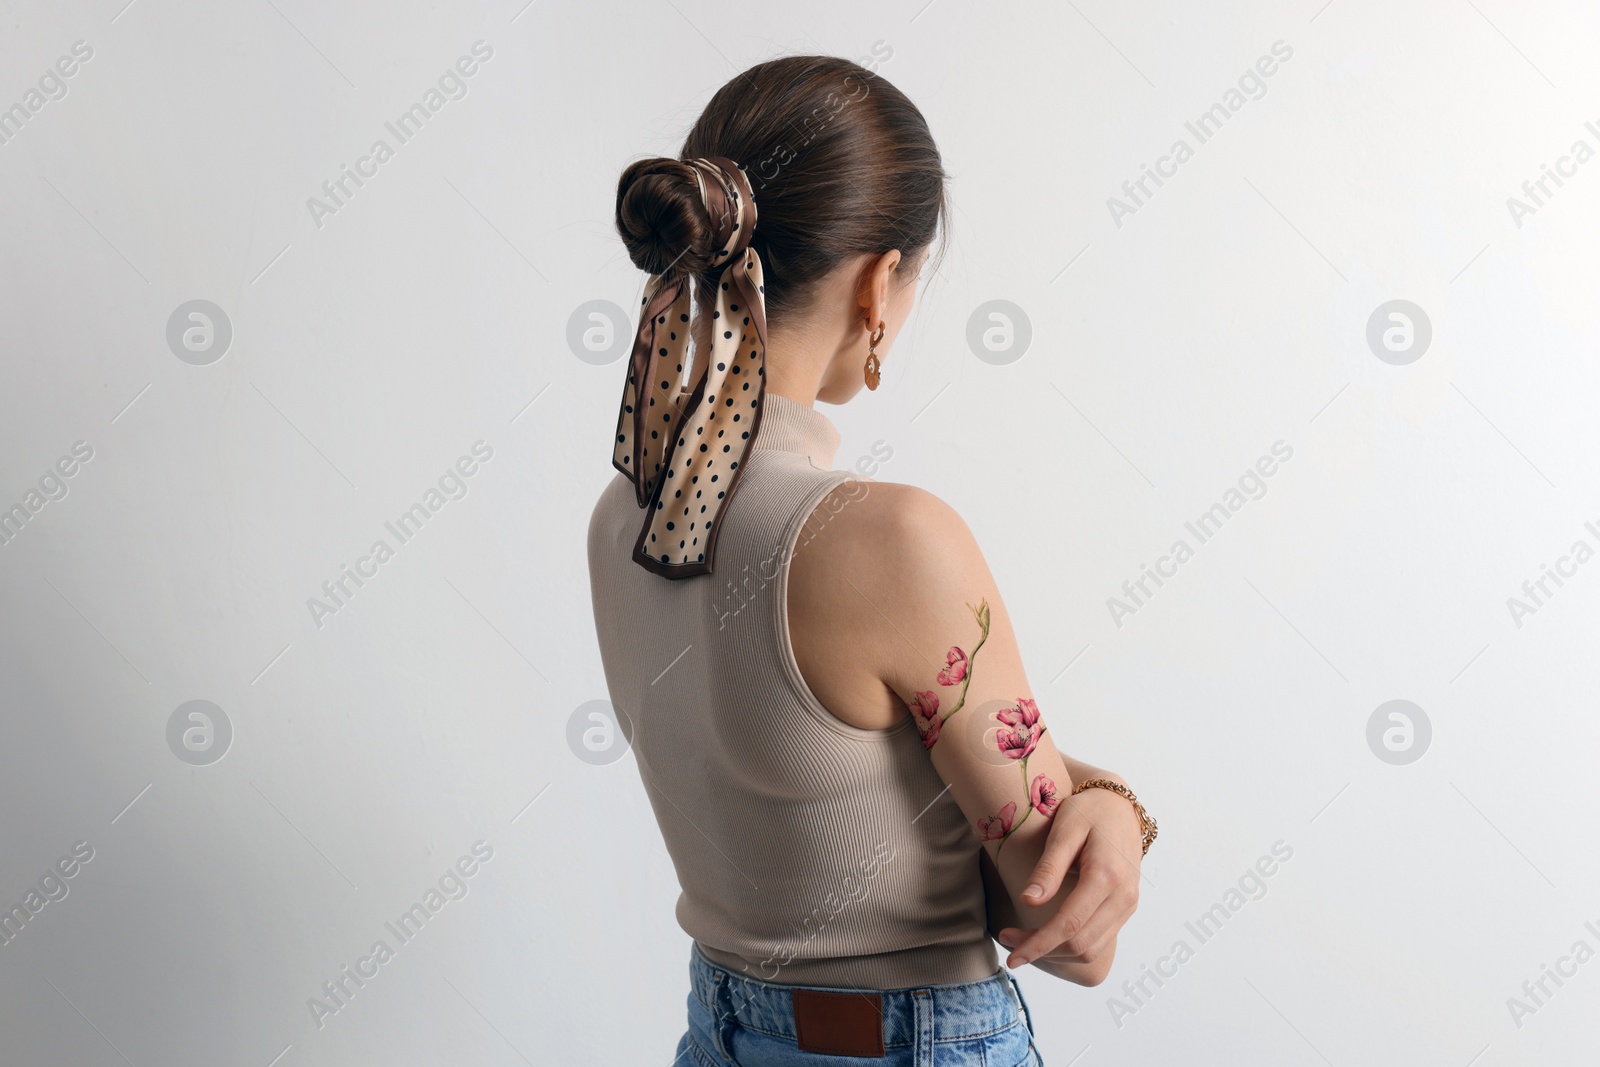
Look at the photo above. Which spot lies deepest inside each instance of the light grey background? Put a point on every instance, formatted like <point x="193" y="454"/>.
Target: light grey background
<point x="1168" y="353"/>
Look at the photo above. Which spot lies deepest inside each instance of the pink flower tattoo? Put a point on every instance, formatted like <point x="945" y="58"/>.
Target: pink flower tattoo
<point x="957" y="670"/>
<point x="1043" y="795"/>
<point x="1026" y="713"/>
<point x="1020" y="737"/>
<point x="1017" y="739"/>
<point x="955" y="666"/>
<point x="926" y="711"/>
<point x="996" y="827"/>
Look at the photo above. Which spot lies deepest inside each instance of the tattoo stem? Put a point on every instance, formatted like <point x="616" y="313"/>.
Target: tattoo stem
<point x="972" y="660"/>
<point x="1027" y="809"/>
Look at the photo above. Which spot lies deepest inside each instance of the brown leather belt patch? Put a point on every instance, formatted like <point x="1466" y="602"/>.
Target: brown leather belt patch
<point x="839" y="1024"/>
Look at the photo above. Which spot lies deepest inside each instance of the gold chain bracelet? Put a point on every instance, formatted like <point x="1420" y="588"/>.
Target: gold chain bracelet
<point x="1146" y="823"/>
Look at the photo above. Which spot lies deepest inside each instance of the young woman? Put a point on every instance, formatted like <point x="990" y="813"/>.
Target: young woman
<point x="815" y="669"/>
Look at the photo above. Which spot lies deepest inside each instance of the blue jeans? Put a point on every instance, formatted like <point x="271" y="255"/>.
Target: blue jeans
<point x="736" y="1021"/>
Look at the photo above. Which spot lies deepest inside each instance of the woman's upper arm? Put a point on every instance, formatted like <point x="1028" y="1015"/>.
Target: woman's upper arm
<point x="941" y="644"/>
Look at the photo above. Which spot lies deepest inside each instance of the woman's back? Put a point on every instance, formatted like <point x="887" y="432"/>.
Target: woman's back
<point x="808" y="851"/>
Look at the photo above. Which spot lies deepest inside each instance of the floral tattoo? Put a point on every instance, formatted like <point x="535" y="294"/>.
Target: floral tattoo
<point x="1016" y="739"/>
<point x="957" y="671"/>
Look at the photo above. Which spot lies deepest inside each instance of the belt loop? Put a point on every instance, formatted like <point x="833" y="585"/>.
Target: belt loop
<point x="722" y="1006"/>
<point x="1017" y="988"/>
<point x="922" y="1001"/>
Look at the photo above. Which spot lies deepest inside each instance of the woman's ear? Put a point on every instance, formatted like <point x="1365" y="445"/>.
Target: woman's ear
<point x="876" y="285"/>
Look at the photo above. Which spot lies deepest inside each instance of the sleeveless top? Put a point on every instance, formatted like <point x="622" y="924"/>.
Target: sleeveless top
<point x="809" y="851"/>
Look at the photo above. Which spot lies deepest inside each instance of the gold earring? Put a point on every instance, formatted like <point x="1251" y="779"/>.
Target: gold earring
<point x="873" y="363"/>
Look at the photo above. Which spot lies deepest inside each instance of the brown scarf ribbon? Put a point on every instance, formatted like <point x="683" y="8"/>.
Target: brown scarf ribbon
<point x="685" y="450"/>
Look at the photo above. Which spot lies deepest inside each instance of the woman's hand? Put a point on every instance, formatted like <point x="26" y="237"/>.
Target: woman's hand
<point x="1097" y="837"/>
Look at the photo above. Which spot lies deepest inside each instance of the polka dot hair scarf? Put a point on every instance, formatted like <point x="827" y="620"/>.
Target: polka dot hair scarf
<point x="684" y="448"/>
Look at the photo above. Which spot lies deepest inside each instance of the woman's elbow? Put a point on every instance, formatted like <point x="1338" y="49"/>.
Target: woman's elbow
<point x="1096" y="971"/>
<point x="1084" y="972"/>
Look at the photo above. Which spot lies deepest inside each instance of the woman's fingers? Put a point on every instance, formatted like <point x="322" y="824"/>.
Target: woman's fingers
<point x="1106" y="895"/>
<point x="1096" y="938"/>
<point x="1067" y="836"/>
<point x="1093" y="887"/>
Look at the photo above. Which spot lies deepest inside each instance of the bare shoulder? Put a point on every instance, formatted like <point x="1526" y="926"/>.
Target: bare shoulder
<point x="871" y="599"/>
<point x="888" y="534"/>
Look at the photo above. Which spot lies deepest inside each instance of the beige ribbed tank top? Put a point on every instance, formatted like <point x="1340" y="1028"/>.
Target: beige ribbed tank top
<point x="809" y="852"/>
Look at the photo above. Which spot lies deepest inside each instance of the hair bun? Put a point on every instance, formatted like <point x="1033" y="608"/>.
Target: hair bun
<point x="662" y="219"/>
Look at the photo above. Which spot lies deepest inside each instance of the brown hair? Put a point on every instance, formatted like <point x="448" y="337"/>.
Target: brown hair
<point x="840" y="162"/>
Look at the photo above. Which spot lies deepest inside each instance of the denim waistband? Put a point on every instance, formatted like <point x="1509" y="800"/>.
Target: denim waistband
<point x="965" y="1009"/>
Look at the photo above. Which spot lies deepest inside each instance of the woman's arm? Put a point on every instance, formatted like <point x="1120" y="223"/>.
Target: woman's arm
<point x="925" y="620"/>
